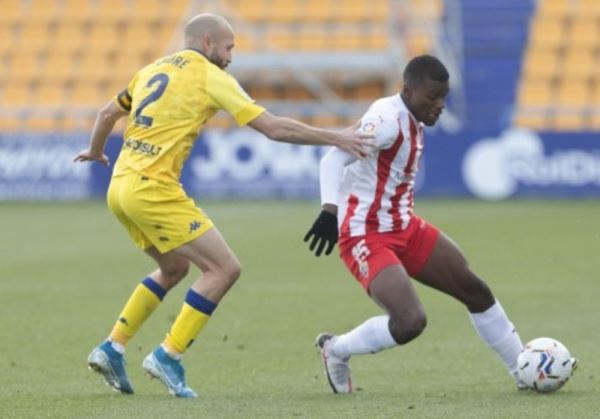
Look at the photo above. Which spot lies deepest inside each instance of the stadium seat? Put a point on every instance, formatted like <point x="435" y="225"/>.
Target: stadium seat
<point x="50" y="95"/>
<point x="16" y="95"/>
<point x="561" y="52"/>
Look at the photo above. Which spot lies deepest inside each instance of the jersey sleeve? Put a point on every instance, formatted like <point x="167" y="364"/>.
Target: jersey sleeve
<point x="227" y="94"/>
<point x="383" y="126"/>
<point x="123" y="99"/>
<point x="331" y="173"/>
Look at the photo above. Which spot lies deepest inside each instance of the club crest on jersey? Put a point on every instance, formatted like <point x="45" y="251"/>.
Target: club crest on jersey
<point x="368" y="128"/>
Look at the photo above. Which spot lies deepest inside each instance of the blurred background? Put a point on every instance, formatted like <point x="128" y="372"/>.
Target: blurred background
<point x="522" y="118"/>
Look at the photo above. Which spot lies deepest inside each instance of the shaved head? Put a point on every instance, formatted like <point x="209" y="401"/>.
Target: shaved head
<point x="206" y="24"/>
<point x="211" y="35"/>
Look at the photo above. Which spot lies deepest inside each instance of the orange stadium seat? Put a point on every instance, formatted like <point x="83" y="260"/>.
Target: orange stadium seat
<point x="77" y="11"/>
<point x="50" y="95"/>
<point x="24" y="68"/>
<point x="42" y="12"/>
<point x="579" y="64"/>
<point x="549" y="34"/>
<point x="584" y="33"/>
<point x="16" y="95"/>
<point x="536" y="94"/>
<point x="13" y="12"/>
<point x="59" y="67"/>
<point x="554" y="8"/>
<point x="573" y="95"/>
<point x="148" y="11"/>
<point x="112" y="11"/>
<point x="85" y="94"/>
<point x="68" y="38"/>
<point x="562" y="52"/>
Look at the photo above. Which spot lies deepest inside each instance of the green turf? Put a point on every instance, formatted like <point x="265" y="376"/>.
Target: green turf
<point x="67" y="269"/>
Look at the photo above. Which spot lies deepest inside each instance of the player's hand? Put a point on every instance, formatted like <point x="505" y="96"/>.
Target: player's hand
<point x="87" y="155"/>
<point x="357" y="143"/>
<point x="324" y="232"/>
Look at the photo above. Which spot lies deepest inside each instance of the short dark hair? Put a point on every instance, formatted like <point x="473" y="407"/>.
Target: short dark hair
<point x="424" y="67"/>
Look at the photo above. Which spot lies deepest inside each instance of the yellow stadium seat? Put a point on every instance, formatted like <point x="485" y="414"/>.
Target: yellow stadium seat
<point x="94" y="68"/>
<point x="13" y="12"/>
<point x="59" y="67"/>
<point x="541" y="64"/>
<point x="68" y="38"/>
<point x="42" y="123"/>
<point x="531" y="120"/>
<point x="149" y="11"/>
<point x="535" y="94"/>
<point x="52" y="95"/>
<point x="378" y="40"/>
<point x="103" y="38"/>
<point x="84" y="94"/>
<point x="590" y="7"/>
<point x="547" y="34"/>
<point x="429" y="9"/>
<point x="584" y="33"/>
<point x="33" y="38"/>
<point x="567" y="121"/>
<point x="16" y="95"/>
<point x="420" y="43"/>
<point x="42" y="12"/>
<point x="579" y="64"/>
<point x="573" y="95"/>
<point x="313" y="40"/>
<point x="554" y="8"/>
<point x="10" y="122"/>
<point x="112" y="11"/>
<point x="7" y="39"/>
<point x="24" y="68"/>
<point x="77" y="11"/>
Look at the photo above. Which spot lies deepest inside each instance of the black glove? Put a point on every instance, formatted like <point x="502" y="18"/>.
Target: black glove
<point x="324" y="231"/>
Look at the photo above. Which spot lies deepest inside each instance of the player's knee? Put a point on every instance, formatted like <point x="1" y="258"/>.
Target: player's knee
<point x="405" y="330"/>
<point x="478" y="296"/>
<point x="233" y="270"/>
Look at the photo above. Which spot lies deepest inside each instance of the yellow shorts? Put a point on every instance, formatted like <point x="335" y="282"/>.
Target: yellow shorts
<point x="156" y="213"/>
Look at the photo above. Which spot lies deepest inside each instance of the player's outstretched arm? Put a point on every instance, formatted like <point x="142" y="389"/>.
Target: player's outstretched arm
<point x="291" y="131"/>
<point x="105" y="122"/>
<point x="323" y="234"/>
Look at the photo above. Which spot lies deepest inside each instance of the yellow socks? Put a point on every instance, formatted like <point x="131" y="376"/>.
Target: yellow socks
<point x="144" y="300"/>
<point x="196" y="311"/>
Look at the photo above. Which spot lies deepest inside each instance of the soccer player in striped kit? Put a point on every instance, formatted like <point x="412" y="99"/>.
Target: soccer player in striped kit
<point x="383" y="243"/>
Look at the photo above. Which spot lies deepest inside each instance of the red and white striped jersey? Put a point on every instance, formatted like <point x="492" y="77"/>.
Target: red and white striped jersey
<point x="376" y="193"/>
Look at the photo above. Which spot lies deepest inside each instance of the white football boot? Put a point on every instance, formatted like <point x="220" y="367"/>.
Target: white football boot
<point x="337" y="369"/>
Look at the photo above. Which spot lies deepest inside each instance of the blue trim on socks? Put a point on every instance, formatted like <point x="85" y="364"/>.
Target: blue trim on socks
<point x="154" y="287"/>
<point x="199" y="302"/>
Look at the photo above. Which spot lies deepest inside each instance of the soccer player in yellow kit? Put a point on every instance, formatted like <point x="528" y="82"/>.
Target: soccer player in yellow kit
<point x="167" y="103"/>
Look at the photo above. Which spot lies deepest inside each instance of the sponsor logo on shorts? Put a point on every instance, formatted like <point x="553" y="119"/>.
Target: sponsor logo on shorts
<point x="360" y="252"/>
<point x="194" y="225"/>
<point x="163" y="239"/>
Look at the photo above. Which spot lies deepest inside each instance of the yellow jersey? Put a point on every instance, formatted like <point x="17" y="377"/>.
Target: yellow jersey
<point x="169" y="101"/>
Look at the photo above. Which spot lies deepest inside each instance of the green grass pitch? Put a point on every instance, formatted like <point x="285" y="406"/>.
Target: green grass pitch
<point x="67" y="269"/>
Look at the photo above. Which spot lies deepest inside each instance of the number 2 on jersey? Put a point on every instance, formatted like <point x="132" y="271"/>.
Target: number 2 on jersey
<point x="162" y="80"/>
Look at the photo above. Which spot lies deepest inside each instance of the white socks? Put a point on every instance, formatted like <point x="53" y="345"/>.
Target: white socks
<point x="119" y="347"/>
<point x="499" y="333"/>
<point x="374" y="335"/>
<point x="368" y="338"/>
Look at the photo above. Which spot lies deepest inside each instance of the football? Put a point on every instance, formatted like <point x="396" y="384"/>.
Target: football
<point x="545" y="365"/>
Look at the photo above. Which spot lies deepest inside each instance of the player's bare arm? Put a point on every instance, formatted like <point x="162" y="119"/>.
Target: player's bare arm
<point x="291" y="131"/>
<point x="105" y="122"/>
